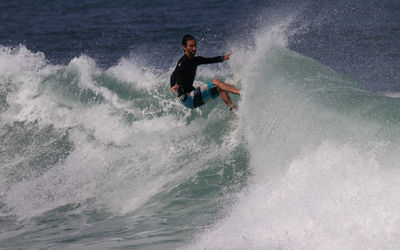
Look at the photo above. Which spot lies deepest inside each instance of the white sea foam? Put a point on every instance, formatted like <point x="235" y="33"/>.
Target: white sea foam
<point x="129" y="71"/>
<point x="334" y="197"/>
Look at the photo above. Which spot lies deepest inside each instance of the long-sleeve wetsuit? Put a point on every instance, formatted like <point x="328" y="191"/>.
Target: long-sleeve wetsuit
<point x="185" y="71"/>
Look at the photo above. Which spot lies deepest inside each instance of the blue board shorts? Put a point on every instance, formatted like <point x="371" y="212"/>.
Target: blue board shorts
<point x="200" y="95"/>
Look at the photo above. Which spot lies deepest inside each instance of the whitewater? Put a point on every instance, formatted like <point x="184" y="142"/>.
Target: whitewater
<point x="107" y="158"/>
<point x="323" y="153"/>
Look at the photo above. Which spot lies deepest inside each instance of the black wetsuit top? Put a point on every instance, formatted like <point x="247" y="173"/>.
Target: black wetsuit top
<point x="185" y="71"/>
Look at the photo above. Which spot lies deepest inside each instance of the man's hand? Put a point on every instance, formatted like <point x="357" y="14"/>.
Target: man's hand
<point x="174" y="88"/>
<point x="227" y="56"/>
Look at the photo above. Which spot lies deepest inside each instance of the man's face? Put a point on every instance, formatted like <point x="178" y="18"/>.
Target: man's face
<point x="190" y="48"/>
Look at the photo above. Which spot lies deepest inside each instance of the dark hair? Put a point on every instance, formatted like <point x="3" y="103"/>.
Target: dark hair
<point x="186" y="38"/>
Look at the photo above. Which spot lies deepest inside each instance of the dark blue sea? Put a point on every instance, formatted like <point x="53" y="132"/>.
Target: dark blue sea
<point x="96" y="153"/>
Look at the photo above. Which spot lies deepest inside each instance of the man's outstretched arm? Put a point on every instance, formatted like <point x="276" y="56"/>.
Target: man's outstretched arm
<point x="217" y="59"/>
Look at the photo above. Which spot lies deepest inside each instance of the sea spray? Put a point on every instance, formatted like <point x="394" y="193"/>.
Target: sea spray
<point x="323" y="155"/>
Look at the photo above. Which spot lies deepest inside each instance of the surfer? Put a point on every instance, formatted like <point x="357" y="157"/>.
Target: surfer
<point x="183" y="77"/>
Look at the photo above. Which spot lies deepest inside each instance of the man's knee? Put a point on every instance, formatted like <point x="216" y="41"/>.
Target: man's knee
<point x="217" y="83"/>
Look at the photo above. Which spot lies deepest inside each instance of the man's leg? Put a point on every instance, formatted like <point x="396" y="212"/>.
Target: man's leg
<point x="223" y="90"/>
<point x="226" y="98"/>
<point x="221" y="86"/>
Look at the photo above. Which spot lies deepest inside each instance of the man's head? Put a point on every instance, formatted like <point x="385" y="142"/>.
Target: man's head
<point x="189" y="45"/>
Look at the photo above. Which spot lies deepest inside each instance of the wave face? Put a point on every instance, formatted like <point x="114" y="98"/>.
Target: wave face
<point x="99" y="155"/>
<point x="323" y="155"/>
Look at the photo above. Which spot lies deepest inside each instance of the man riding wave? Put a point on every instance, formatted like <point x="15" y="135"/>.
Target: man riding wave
<point x="184" y="74"/>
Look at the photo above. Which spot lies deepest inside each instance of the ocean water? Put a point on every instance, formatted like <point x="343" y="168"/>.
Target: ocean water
<point x="96" y="153"/>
